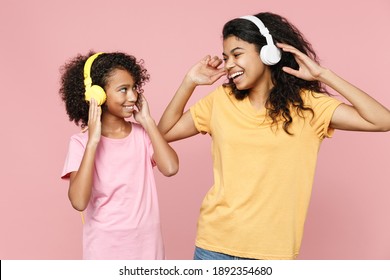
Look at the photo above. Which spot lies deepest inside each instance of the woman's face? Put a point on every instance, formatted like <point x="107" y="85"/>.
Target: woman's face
<point x="244" y="65"/>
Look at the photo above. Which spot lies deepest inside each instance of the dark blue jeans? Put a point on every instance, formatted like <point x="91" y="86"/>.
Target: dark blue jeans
<point x="202" y="254"/>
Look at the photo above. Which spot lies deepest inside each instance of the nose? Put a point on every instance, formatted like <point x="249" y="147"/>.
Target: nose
<point x="229" y="64"/>
<point x="132" y="95"/>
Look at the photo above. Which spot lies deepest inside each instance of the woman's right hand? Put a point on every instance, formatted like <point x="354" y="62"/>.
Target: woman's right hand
<point x="206" y="71"/>
<point x="94" y="122"/>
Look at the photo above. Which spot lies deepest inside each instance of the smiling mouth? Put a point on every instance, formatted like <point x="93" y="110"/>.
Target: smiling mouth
<point x="235" y="75"/>
<point x="129" y="108"/>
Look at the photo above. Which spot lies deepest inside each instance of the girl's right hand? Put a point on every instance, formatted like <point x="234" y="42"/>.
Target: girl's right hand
<point x="206" y="71"/>
<point x="94" y="122"/>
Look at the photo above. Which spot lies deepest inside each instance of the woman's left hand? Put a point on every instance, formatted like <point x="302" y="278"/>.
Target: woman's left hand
<point x="308" y="69"/>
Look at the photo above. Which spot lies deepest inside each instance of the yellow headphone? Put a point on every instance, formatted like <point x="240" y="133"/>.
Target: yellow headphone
<point x="95" y="91"/>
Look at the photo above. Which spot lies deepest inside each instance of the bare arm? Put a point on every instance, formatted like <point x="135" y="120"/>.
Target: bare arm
<point x="165" y="157"/>
<point x="81" y="181"/>
<point x="174" y="123"/>
<point x="364" y="113"/>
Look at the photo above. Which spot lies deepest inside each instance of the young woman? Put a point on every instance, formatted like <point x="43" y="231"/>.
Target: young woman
<point x="111" y="167"/>
<point x="267" y="123"/>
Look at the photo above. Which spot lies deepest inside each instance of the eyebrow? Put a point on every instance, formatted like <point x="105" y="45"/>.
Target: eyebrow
<point x="233" y="50"/>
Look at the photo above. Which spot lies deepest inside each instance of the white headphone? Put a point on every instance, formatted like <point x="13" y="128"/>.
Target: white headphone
<point x="269" y="54"/>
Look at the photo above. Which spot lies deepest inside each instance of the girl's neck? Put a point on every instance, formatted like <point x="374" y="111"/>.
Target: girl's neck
<point x="118" y="128"/>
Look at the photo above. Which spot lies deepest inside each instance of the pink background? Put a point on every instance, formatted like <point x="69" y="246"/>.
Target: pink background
<point x="349" y="212"/>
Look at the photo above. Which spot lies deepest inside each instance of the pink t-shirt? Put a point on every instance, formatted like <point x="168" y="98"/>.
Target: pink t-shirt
<point x="122" y="219"/>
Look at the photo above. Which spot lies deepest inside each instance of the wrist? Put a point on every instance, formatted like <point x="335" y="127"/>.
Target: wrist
<point x="148" y="122"/>
<point x="189" y="83"/>
<point x="323" y="76"/>
<point x="92" y="145"/>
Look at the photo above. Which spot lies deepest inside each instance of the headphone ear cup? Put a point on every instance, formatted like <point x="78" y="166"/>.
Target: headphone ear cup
<point x="270" y="54"/>
<point x="96" y="92"/>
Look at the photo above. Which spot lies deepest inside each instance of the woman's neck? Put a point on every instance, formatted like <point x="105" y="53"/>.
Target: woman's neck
<point x="258" y="96"/>
<point x="259" y="93"/>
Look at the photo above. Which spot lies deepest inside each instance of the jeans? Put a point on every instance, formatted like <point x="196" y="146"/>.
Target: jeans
<point x="203" y="254"/>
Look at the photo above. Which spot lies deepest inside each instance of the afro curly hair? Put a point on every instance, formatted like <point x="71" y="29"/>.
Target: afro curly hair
<point x="72" y="90"/>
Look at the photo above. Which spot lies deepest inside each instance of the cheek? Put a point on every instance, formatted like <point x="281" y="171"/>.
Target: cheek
<point x="111" y="101"/>
<point x="257" y="67"/>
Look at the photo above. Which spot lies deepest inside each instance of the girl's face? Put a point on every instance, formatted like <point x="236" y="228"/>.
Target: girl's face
<point x="121" y="94"/>
<point x="243" y="63"/>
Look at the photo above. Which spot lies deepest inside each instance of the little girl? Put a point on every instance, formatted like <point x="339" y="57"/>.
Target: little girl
<point x="110" y="167"/>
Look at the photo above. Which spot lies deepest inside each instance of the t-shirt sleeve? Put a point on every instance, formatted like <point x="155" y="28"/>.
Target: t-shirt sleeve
<point x="201" y="113"/>
<point x="323" y="106"/>
<point x="73" y="158"/>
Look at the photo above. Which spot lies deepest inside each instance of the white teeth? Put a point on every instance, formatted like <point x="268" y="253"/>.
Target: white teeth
<point x="232" y="76"/>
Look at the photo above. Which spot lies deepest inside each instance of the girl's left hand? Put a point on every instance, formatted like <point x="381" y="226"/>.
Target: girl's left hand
<point x="308" y="69"/>
<point x="143" y="112"/>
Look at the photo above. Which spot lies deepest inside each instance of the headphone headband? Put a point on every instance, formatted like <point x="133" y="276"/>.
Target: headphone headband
<point x="92" y="91"/>
<point x="87" y="69"/>
<point x="269" y="54"/>
<point x="260" y="25"/>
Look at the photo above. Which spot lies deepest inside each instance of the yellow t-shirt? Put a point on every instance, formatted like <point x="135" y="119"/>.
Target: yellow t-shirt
<point x="262" y="176"/>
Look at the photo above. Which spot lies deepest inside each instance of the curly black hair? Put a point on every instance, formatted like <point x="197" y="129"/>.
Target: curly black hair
<point x="287" y="88"/>
<point x="72" y="80"/>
